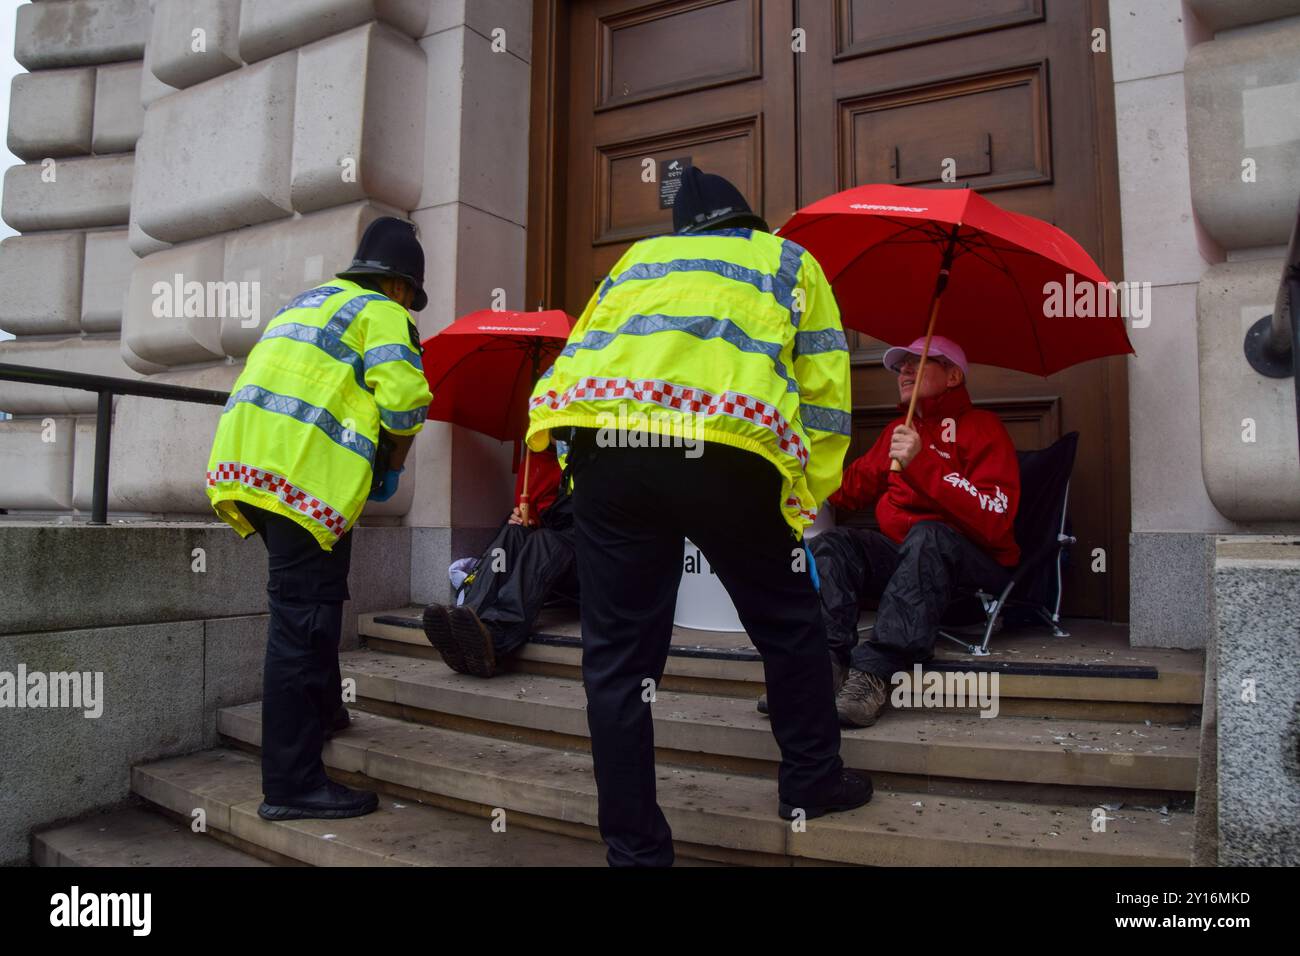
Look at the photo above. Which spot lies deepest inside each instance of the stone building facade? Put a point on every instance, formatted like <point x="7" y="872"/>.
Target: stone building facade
<point x="259" y="159"/>
<point x="251" y="141"/>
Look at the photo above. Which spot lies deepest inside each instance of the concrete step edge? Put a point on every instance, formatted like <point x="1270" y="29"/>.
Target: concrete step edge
<point x="133" y="837"/>
<point x="738" y="812"/>
<point x="226" y="786"/>
<point x="929" y="742"/>
<point x="1169" y="687"/>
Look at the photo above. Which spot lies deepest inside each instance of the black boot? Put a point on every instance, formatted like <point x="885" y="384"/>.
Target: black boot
<point x="437" y="630"/>
<point x="473" y="643"/>
<point x="851" y="791"/>
<point x="330" y="802"/>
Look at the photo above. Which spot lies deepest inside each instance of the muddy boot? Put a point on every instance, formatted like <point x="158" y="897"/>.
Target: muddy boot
<point x="838" y="673"/>
<point x="474" y="642"/>
<point x="437" y="630"/>
<point x="861" y="699"/>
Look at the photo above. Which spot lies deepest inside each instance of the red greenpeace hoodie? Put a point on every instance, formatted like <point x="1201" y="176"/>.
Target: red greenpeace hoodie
<point x="965" y="475"/>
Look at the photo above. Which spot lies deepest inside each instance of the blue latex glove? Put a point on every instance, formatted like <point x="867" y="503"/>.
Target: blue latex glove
<point x="812" y="567"/>
<point x="389" y="486"/>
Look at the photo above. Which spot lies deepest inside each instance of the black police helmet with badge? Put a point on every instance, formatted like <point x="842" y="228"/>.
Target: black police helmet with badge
<point x="707" y="201"/>
<point x="389" y="247"/>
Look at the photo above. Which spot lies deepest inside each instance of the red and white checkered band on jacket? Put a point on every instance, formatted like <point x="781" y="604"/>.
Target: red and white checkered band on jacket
<point x="793" y="502"/>
<point x="295" y="498"/>
<point x="682" y="398"/>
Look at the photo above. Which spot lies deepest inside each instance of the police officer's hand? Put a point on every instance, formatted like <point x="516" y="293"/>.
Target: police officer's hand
<point x="904" y="444"/>
<point x="388" y="487"/>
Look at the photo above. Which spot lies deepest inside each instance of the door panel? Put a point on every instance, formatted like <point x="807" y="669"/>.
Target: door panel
<point x="711" y="81"/>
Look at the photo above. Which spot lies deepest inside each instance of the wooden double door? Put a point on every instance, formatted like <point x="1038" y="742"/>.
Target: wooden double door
<point x="795" y="99"/>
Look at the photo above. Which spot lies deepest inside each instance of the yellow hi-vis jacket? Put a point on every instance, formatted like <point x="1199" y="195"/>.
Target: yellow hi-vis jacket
<point x="299" y="432"/>
<point x="730" y="336"/>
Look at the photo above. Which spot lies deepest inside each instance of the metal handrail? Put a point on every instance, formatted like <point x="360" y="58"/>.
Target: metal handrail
<point x="106" y="386"/>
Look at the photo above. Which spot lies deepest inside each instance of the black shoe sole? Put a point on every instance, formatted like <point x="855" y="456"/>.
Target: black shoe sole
<point x="276" y="813"/>
<point x="437" y="631"/>
<point x="761" y="706"/>
<point x="473" y="643"/>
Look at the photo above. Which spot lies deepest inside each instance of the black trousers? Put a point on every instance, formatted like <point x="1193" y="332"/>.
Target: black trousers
<point x="632" y="508"/>
<point x="915" y="581"/>
<point x="520" y="569"/>
<point x="301" y="687"/>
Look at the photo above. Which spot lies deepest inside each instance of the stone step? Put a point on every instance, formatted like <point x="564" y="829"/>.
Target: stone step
<point x="133" y="837"/>
<point x="919" y="742"/>
<point x="1093" y="674"/>
<point x="227" y="785"/>
<point x="732" y="816"/>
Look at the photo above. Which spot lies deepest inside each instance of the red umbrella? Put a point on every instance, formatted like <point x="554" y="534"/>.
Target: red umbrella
<point x="894" y="254"/>
<point x="482" y="368"/>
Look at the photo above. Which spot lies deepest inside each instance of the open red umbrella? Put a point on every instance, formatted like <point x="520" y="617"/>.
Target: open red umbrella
<point x="1012" y="290"/>
<point x="482" y="368"/>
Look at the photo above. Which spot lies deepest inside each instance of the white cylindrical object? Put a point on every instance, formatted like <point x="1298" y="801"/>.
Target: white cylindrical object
<point x="702" y="602"/>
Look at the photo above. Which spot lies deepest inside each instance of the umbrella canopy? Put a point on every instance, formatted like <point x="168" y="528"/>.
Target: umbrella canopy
<point x="1011" y="276"/>
<point x="482" y="368"/>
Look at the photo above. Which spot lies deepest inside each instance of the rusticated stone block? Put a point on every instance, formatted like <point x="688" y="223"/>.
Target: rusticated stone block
<point x="69" y="193"/>
<point x="50" y="113"/>
<point x="284" y="258"/>
<point x="173" y="303"/>
<point x="217" y="156"/>
<point x="79" y="32"/>
<point x="119" y="114"/>
<point x="41" y="276"/>
<point x="1243" y="134"/>
<point x="268" y="27"/>
<point x="194" y="40"/>
<point x="359" y="120"/>
<point x="36" y="461"/>
<point x="109" y="262"/>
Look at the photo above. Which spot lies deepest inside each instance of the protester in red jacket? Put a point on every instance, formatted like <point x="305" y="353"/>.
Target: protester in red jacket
<point x="525" y="566"/>
<point x="946" y="521"/>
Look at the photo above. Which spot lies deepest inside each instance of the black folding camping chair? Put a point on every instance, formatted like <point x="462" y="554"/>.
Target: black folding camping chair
<point x="1035" y="583"/>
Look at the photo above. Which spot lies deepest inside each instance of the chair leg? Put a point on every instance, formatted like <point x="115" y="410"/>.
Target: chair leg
<point x="992" y="613"/>
<point x="1052" y="621"/>
<point x="972" y="649"/>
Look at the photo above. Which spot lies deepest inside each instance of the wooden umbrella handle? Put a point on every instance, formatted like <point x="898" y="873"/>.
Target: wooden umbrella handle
<point x="894" y="464"/>
<point x="523" y="497"/>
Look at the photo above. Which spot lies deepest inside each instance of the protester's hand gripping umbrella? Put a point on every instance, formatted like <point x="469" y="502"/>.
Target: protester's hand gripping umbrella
<point x="1016" y="292"/>
<point x="482" y="368"/>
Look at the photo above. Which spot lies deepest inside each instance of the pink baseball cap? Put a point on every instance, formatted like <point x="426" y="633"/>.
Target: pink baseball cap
<point x="940" y="345"/>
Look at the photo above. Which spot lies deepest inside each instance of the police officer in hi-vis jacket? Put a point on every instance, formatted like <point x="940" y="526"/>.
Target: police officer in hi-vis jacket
<point x="295" y="457"/>
<point x="731" y="336"/>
